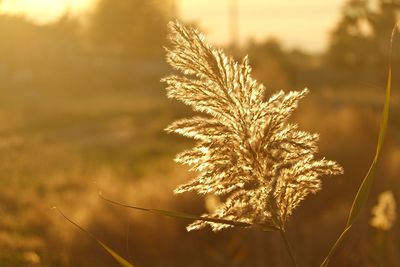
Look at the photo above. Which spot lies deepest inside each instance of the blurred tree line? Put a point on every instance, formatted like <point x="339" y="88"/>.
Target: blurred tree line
<point x="359" y="45"/>
<point x="357" y="53"/>
<point x="119" y="43"/>
<point x="122" y="41"/>
<point x="131" y="27"/>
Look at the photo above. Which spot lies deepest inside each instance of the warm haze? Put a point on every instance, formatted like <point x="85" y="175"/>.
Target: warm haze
<point x="83" y="111"/>
<point x="304" y="24"/>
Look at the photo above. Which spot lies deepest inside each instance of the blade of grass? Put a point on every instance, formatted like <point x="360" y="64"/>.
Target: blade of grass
<point x="116" y="256"/>
<point x="365" y="187"/>
<point x="187" y="216"/>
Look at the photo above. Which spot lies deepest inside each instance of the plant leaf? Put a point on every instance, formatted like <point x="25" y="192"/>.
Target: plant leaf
<point x="365" y="187"/>
<point x="116" y="256"/>
<point x="187" y="216"/>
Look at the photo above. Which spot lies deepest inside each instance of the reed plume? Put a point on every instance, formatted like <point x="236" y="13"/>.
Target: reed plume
<point x="246" y="151"/>
<point x="384" y="212"/>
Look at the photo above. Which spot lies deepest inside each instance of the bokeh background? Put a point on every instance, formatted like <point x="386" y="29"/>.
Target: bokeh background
<point x="82" y="110"/>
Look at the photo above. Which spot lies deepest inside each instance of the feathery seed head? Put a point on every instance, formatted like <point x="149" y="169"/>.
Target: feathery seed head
<point x="384" y="212"/>
<point x="246" y="150"/>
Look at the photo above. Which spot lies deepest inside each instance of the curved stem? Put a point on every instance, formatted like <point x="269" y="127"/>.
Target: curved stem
<point x="333" y="248"/>
<point x="288" y="247"/>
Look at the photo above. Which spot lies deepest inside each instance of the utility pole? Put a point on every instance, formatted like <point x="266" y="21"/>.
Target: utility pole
<point x="234" y="24"/>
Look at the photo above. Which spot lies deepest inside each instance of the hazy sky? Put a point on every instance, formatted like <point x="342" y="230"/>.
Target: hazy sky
<point x="304" y="24"/>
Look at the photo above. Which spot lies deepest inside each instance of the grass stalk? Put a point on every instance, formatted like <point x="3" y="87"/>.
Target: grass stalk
<point x="288" y="247"/>
<point x="363" y="191"/>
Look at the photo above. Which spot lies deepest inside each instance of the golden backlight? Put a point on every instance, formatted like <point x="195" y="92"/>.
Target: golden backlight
<point x="44" y="10"/>
<point x="85" y="123"/>
<point x="293" y="22"/>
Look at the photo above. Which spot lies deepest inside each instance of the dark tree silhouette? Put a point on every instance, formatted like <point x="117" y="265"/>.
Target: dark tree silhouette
<point x="130" y="27"/>
<point x="359" y="43"/>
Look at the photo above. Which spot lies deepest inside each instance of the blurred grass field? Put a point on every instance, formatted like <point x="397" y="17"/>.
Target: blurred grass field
<point x="77" y="118"/>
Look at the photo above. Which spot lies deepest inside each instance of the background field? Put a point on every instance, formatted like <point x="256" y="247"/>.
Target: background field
<point x="82" y="111"/>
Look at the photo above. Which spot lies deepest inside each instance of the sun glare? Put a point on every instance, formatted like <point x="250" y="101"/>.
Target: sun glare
<point x="293" y="23"/>
<point x="43" y="11"/>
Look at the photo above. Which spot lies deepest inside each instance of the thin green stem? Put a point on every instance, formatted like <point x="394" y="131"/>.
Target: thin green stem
<point x="333" y="248"/>
<point x="288" y="247"/>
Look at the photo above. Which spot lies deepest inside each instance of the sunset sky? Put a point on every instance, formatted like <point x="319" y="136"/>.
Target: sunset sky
<point x="303" y="24"/>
